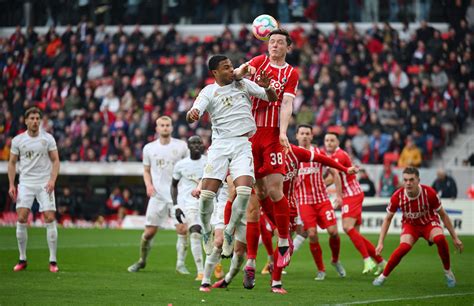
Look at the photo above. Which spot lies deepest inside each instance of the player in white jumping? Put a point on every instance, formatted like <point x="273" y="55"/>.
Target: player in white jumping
<point x="36" y="153"/>
<point x="229" y="105"/>
<point x="159" y="158"/>
<point x="186" y="176"/>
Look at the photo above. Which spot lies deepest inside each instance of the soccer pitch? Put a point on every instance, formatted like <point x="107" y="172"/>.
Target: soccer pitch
<point x="93" y="270"/>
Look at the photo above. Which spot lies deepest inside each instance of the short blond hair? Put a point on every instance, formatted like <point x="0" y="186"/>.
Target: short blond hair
<point x="164" y="118"/>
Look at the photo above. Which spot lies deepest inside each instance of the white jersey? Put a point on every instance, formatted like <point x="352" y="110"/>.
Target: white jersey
<point x="230" y="107"/>
<point x="188" y="172"/>
<point x="34" y="163"/>
<point x="161" y="159"/>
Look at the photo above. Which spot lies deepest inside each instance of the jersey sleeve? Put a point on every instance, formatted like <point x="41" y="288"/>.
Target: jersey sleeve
<point x="292" y="85"/>
<point x="342" y="158"/>
<point x="433" y="199"/>
<point x="15" y="149"/>
<point x="177" y="171"/>
<point x="303" y="155"/>
<point x="51" y="143"/>
<point x="201" y="102"/>
<point x="257" y="61"/>
<point x="394" y="200"/>
<point x="327" y="161"/>
<point x="254" y="90"/>
<point x="146" y="157"/>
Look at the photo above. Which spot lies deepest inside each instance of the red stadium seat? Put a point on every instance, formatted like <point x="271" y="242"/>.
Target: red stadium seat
<point x="391" y="158"/>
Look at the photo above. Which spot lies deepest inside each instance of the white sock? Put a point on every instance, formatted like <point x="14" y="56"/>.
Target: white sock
<point x="298" y="242"/>
<point x="206" y="207"/>
<point x="52" y="237"/>
<point x="276" y="283"/>
<point x="283" y="242"/>
<point x="181" y="248"/>
<point x="235" y="265"/>
<point x="145" y="247"/>
<point x="196" y="249"/>
<point x="22" y="237"/>
<point x="211" y="262"/>
<point x="239" y="207"/>
<point x="367" y="259"/>
<point x="251" y="263"/>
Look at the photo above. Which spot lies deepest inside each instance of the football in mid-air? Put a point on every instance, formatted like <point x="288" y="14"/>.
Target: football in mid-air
<point x="263" y="25"/>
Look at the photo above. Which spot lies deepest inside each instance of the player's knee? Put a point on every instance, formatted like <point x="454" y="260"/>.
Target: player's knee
<point x="240" y="248"/>
<point x="207" y="194"/>
<point x="439" y="239"/>
<point x="195" y="229"/>
<point x="333" y="232"/>
<point x="313" y="236"/>
<point x="243" y="191"/>
<point x="22" y="218"/>
<point x="218" y="242"/>
<point x="347" y="228"/>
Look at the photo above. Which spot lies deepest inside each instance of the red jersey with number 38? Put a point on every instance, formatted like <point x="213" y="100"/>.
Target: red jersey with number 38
<point x="420" y="210"/>
<point x="284" y="81"/>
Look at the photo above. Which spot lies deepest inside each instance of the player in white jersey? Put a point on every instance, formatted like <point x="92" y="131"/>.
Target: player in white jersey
<point x="159" y="158"/>
<point x="186" y="176"/>
<point x="229" y="105"/>
<point x="37" y="156"/>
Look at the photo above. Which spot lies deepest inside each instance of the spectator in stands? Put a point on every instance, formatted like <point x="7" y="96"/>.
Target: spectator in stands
<point x="469" y="161"/>
<point x="445" y="185"/>
<point x="388" y="181"/>
<point x="114" y="205"/>
<point x="411" y="155"/>
<point x="366" y="183"/>
<point x="379" y="144"/>
<point x="66" y="205"/>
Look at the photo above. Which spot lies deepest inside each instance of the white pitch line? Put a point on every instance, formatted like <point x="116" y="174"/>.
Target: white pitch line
<point x="79" y="246"/>
<point x="409" y="298"/>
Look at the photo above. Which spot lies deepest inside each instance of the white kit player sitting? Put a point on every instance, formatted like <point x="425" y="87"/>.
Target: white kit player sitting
<point x="186" y="176"/>
<point x="38" y="159"/>
<point x="228" y="103"/>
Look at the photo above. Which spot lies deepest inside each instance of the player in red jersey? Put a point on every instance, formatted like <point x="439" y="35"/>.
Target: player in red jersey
<point x="294" y="158"/>
<point x="269" y="145"/>
<point x="314" y="205"/>
<point x="351" y="207"/>
<point x="421" y="209"/>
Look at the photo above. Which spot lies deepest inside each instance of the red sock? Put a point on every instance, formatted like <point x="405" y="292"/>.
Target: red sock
<point x="276" y="274"/>
<point x="443" y="250"/>
<point x="317" y="253"/>
<point x="358" y="242"/>
<point x="252" y="239"/>
<point x="371" y="250"/>
<point x="335" y="245"/>
<point x="396" y="256"/>
<point x="266" y="236"/>
<point x="267" y="207"/>
<point x="282" y="217"/>
<point x="227" y="212"/>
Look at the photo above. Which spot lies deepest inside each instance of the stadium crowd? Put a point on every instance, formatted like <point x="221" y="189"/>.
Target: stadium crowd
<point x="389" y="94"/>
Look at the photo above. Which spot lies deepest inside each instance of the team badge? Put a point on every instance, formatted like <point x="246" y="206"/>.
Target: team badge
<point x="208" y="168"/>
<point x="43" y="142"/>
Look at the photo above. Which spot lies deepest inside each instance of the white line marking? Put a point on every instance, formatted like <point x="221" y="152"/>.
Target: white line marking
<point x="409" y="298"/>
<point x="82" y="246"/>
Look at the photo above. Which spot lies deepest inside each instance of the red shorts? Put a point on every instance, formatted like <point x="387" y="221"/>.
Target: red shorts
<point x="321" y="214"/>
<point x="268" y="153"/>
<point x="417" y="231"/>
<point x="352" y="207"/>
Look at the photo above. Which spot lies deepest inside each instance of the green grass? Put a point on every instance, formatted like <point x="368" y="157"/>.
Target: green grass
<point x="93" y="271"/>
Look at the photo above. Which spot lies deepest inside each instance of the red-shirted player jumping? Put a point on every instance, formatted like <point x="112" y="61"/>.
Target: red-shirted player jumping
<point x="294" y="158"/>
<point x="351" y="207"/>
<point x="420" y="207"/>
<point x="269" y="145"/>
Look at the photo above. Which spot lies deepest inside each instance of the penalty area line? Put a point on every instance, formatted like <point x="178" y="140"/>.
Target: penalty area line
<point x="424" y="297"/>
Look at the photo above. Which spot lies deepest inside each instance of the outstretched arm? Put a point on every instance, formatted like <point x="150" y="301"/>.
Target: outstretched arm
<point x="383" y="232"/>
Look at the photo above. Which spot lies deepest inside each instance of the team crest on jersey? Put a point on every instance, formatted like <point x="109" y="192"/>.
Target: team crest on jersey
<point x="43" y="142"/>
<point x="208" y="168"/>
<point x="227" y="101"/>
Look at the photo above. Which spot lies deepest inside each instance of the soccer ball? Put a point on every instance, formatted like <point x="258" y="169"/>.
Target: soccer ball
<point x="263" y="25"/>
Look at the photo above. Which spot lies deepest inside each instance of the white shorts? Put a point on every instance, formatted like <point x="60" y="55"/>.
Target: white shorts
<point x="217" y="221"/>
<point x="231" y="154"/>
<point x="157" y="212"/>
<point x="27" y="194"/>
<point x="192" y="216"/>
